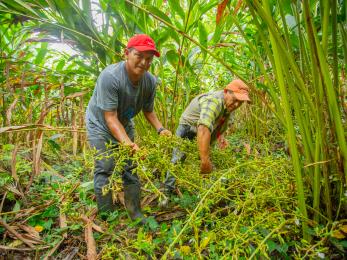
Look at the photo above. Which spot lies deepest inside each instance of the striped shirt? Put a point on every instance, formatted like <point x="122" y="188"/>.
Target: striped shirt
<point x="209" y="110"/>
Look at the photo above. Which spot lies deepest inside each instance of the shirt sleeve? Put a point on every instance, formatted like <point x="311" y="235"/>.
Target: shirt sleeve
<point x="107" y="92"/>
<point x="148" y="104"/>
<point x="210" y="109"/>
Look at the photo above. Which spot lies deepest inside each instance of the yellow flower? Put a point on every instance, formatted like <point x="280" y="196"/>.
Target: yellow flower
<point x="38" y="228"/>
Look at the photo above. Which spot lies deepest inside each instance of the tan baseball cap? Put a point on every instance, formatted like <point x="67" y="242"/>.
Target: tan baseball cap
<point x="240" y="90"/>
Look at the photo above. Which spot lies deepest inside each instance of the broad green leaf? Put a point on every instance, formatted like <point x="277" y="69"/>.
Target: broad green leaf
<point x="286" y="5"/>
<point x="174" y="35"/>
<point x="87" y="186"/>
<point x="127" y="11"/>
<point x="217" y="33"/>
<point x="87" y="11"/>
<point x="157" y="12"/>
<point x="152" y="223"/>
<point x="26" y="6"/>
<point x="172" y="57"/>
<point x="103" y="4"/>
<point x="175" y="6"/>
<point x="66" y="9"/>
<point x="209" y="5"/>
<point x="16" y="206"/>
<point x="60" y="65"/>
<point x="202" y="34"/>
<point x="178" y="24"/>
<point x="161" y="37"/>
<point x="47" y="224"/>
<point x="54" y="145"/>
<point x="271" y="245"/>
<point x="42" y="53"/>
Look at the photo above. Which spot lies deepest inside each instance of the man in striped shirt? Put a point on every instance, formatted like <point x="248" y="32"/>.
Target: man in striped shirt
<point x="207" y="117"/>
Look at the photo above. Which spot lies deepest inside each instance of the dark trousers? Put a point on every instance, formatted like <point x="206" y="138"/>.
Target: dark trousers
<point x="104" y="168"/>
<point x="182" y="131"/>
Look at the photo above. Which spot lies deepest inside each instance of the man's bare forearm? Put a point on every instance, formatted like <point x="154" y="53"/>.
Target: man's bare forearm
<point x="203" y="139"/>
<point x="116" y="128"/>
<point x="153" y="119"/>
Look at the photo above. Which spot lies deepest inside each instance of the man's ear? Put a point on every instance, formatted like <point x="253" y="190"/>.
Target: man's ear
<point x="126" y="51"/>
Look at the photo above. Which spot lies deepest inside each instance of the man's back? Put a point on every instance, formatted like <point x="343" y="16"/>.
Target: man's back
<point x="207" y="109"/>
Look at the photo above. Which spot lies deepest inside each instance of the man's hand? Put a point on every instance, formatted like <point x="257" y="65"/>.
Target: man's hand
<point x="166" y="132"/>
<point x="206" y="166"/>
<point x="134" y="147"/>
<point x="222" y="142"/>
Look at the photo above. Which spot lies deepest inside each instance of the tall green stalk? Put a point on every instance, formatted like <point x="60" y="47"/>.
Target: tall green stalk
<point x="334" y="39"/>
<point x="290" y="126"/>
<point x="331" y="97"/>
<point x="180" y="48"/>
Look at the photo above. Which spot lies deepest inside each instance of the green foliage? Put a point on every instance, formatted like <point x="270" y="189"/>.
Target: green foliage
<point x="246" y="207"/>
<point x="238" y="210"/>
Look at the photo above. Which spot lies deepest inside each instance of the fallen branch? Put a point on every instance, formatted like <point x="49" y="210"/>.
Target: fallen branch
<point x="24" y="212"/>
<point x="31" y="127"/>
<point x="94" y="226"/>
<point x="28" y="211"/>
<point x="62" y="223"/>
<point x="51" y="252"/>
<point x="16" y="234"/>
<point x="72" y="254"/>
<point x="22" y="249"/>
<point x="90" y="241"/>
<point x="3" y="201"/>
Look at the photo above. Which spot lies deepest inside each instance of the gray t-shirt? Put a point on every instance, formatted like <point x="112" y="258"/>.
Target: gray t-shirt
<point x="115" y="92"/>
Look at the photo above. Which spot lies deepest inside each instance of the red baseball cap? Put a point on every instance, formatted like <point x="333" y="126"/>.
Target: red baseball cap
<point x="240" y="89"/>
<point x="142" y="42"/>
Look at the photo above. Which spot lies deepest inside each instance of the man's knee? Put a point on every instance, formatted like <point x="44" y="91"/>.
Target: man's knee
<point x="104" y="165"/>
<point x="100" y="180"/>
<point x="130" y="178"/>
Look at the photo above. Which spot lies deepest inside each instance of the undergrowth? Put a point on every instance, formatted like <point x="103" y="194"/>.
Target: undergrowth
<point x="245" y="208"/>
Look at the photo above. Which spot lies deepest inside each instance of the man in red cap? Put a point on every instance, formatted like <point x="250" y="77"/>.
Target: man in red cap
<point x="121" y="92"/>
<point x="207" y="117"/>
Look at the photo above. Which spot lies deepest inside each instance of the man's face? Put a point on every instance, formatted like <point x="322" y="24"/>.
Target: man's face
<point x="231" y="102"/>
<point x="138" y="62"/>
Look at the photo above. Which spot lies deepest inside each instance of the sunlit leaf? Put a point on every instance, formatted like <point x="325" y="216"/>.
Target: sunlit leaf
<point x="60" y="65"/>
<point x="158" y="13"/>
<point x="175" y="6"/>
<point x="172" y="57"/>
<point x="202" y="34"/>
<point x="42" y="53"/>
<point x="338" y="234"/>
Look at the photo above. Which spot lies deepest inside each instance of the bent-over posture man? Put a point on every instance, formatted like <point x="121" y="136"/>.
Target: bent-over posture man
<point x="206" y="118"/>
<point x="122" y="91"/>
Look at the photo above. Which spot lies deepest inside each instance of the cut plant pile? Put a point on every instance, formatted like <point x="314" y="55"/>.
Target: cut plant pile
<point x="245" y="208"/>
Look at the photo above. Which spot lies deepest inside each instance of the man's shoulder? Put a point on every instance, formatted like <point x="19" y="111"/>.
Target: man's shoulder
<point x="150" y="79"/>
<point x="213" y="96"/>
<point x="113" y="72"/>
